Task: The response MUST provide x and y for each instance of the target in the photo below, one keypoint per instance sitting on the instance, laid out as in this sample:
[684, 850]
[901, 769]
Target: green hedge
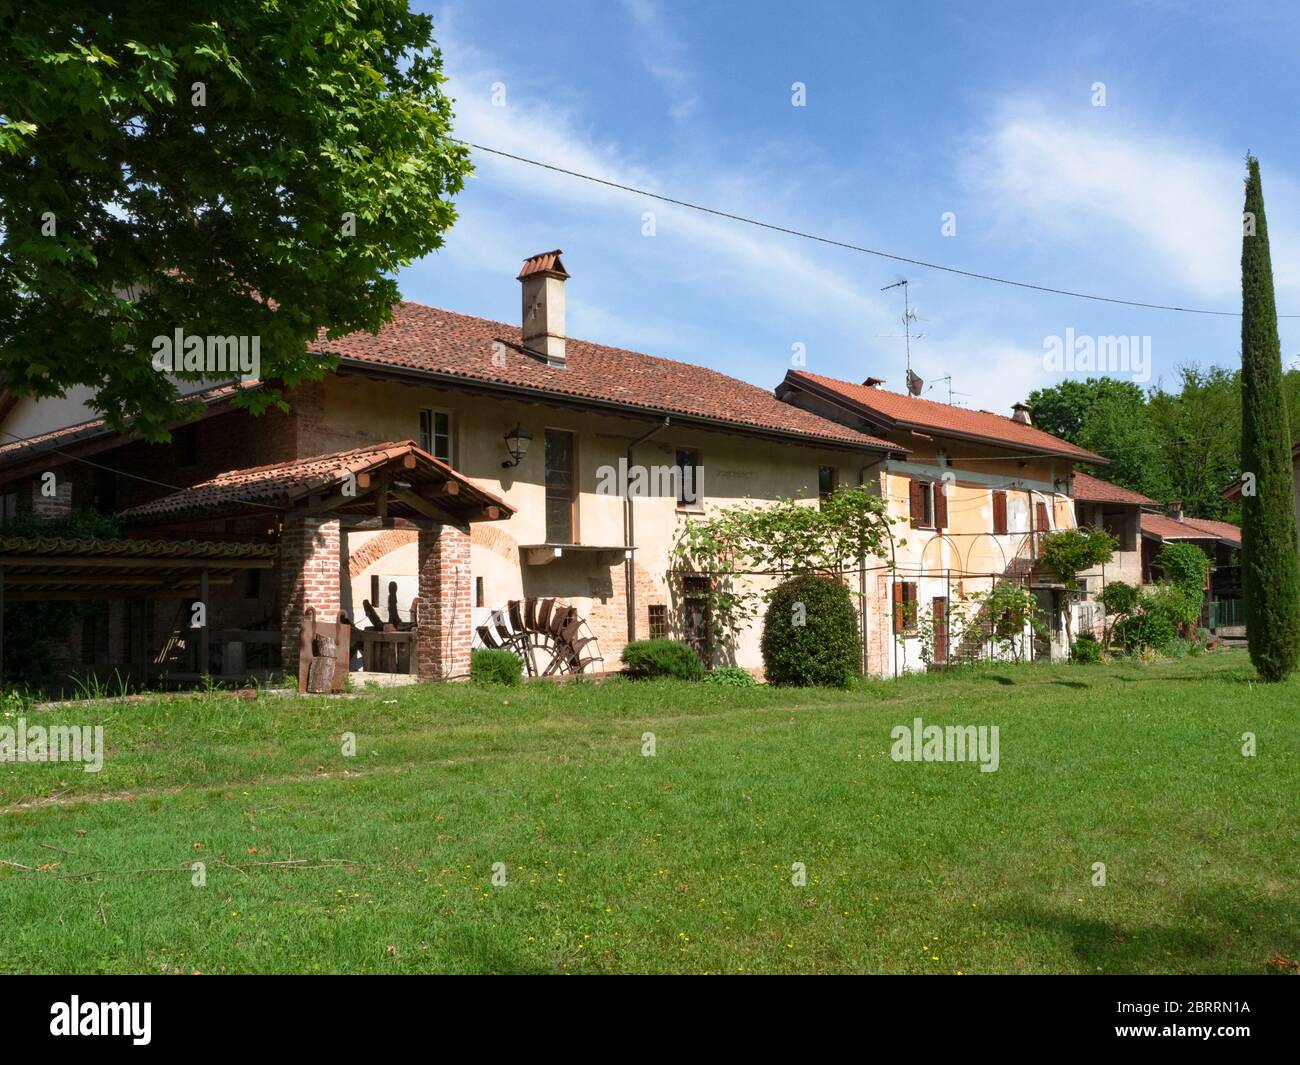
[662, 658]
[810, 634]
[487, 666]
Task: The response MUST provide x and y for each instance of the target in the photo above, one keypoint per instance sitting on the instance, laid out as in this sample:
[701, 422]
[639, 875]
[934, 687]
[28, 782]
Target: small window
[478, 591]
[658, 621]
[922, 504]
[905, 600]
[185, 442]
[690, 493]
[10, 506]
[827, 481]
[253, 584]
[999, 513]
[435, 434]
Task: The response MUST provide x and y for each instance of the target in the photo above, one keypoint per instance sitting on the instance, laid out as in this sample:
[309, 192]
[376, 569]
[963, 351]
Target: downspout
[629, 531]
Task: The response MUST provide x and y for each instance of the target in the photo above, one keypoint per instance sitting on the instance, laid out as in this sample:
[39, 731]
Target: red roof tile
[890, 409]
[1163, 527]
[283, 483]
[1094, 490]
[462, 348]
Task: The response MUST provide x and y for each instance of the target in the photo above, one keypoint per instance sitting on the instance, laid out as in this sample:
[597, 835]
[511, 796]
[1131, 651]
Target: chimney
[1175, 510]
[543, 278]
[1020, 413]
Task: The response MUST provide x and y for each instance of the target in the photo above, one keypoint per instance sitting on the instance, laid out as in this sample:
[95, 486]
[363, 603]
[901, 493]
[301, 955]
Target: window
[559, 487]
[690, 493]
[10, 506]
[658, 621]
[827, 481]
[929, 506]
[905, 607]
[185, 442]
[1000, 513]
[478, 591]
[253, 584]
[435, 434]
[695, 615]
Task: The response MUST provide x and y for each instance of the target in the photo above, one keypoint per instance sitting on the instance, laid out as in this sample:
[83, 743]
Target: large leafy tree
[1199, 430]
[1065, 409]
[240, 168]
[1270, 566]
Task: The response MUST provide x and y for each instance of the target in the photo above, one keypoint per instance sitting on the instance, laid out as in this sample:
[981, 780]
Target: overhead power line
[848, 246]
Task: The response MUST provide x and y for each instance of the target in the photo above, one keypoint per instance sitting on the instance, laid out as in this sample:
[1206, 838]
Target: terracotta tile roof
[1233, 491]
[129, 549]
[281, 484]
[460, 348]
[890, 409]
[19, 450]
[1094, 490]
[548, 262]
[1163, 527]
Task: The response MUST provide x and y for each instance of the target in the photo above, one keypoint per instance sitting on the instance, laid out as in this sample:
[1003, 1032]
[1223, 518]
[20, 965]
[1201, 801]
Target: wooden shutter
[940, 504]
[1040, 511]
[898, 606]
[917, 505]
[1000, 512]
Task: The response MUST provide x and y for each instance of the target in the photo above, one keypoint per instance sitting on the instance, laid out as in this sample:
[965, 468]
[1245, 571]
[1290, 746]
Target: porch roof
[43, 568]
[391, 479]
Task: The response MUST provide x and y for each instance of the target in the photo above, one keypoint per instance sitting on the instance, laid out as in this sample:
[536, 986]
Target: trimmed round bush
[810, 634]
[1086, 649]
[731, 677]
[494, 666]
[646, 659]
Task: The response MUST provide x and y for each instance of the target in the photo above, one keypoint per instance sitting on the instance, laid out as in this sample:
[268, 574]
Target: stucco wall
[349, 412]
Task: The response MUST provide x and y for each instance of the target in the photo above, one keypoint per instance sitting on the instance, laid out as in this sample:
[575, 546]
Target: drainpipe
[629, 531]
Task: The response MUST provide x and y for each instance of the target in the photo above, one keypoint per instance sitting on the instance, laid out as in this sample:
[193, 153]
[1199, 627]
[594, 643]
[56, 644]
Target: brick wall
[309, 577]
[446, 588]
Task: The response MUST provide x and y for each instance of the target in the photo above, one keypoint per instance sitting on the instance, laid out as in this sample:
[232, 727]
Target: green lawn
[679, 862]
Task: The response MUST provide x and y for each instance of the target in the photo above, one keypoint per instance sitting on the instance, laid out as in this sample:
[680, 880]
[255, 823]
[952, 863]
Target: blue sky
[912, 110]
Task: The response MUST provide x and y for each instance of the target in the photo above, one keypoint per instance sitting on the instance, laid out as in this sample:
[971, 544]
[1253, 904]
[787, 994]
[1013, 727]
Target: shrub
[1147, 633]
[662, 658]
[810, 634]
[732, 677]
[494, 666]
[1086, 649]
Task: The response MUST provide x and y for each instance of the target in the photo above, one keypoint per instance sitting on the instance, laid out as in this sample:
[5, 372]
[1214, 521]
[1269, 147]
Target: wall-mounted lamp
[517, 441]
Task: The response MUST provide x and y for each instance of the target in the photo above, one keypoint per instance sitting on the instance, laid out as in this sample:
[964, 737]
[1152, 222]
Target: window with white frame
[435, 434]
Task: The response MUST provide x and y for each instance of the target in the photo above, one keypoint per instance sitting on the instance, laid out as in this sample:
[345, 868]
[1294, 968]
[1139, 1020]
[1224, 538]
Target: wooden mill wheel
[549, 637]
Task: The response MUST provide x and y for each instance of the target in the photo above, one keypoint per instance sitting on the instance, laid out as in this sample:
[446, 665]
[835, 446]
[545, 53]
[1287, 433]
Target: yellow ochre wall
[346, 412]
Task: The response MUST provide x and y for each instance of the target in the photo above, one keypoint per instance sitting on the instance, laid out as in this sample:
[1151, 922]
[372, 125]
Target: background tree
[245, 167]
[1270, 566]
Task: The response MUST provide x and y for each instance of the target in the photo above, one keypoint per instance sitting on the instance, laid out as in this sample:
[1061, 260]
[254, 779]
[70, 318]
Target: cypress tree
[1270, 565]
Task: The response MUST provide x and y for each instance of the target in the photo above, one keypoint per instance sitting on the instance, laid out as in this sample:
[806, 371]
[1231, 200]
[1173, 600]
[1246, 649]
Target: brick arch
[377, 547]
[495, 540]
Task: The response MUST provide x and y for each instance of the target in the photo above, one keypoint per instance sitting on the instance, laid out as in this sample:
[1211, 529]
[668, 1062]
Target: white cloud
[1137, 205]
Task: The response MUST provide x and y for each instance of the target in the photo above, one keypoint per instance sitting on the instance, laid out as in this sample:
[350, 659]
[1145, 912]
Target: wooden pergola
[40, 569]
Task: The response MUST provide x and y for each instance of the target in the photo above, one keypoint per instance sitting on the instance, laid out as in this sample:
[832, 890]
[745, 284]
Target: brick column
[309, 576]
[446, 629]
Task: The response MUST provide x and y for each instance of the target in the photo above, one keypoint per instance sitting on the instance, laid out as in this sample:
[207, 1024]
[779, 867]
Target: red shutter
[941, 504]
[1040, 510]
[1000, 512]
[898, 606]
[917, 504]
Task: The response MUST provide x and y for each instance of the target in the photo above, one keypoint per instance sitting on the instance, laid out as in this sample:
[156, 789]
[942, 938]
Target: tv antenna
[951, 393]
[914, 382]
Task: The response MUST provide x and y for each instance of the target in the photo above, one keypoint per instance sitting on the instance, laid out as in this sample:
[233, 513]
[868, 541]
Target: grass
[615, 861]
